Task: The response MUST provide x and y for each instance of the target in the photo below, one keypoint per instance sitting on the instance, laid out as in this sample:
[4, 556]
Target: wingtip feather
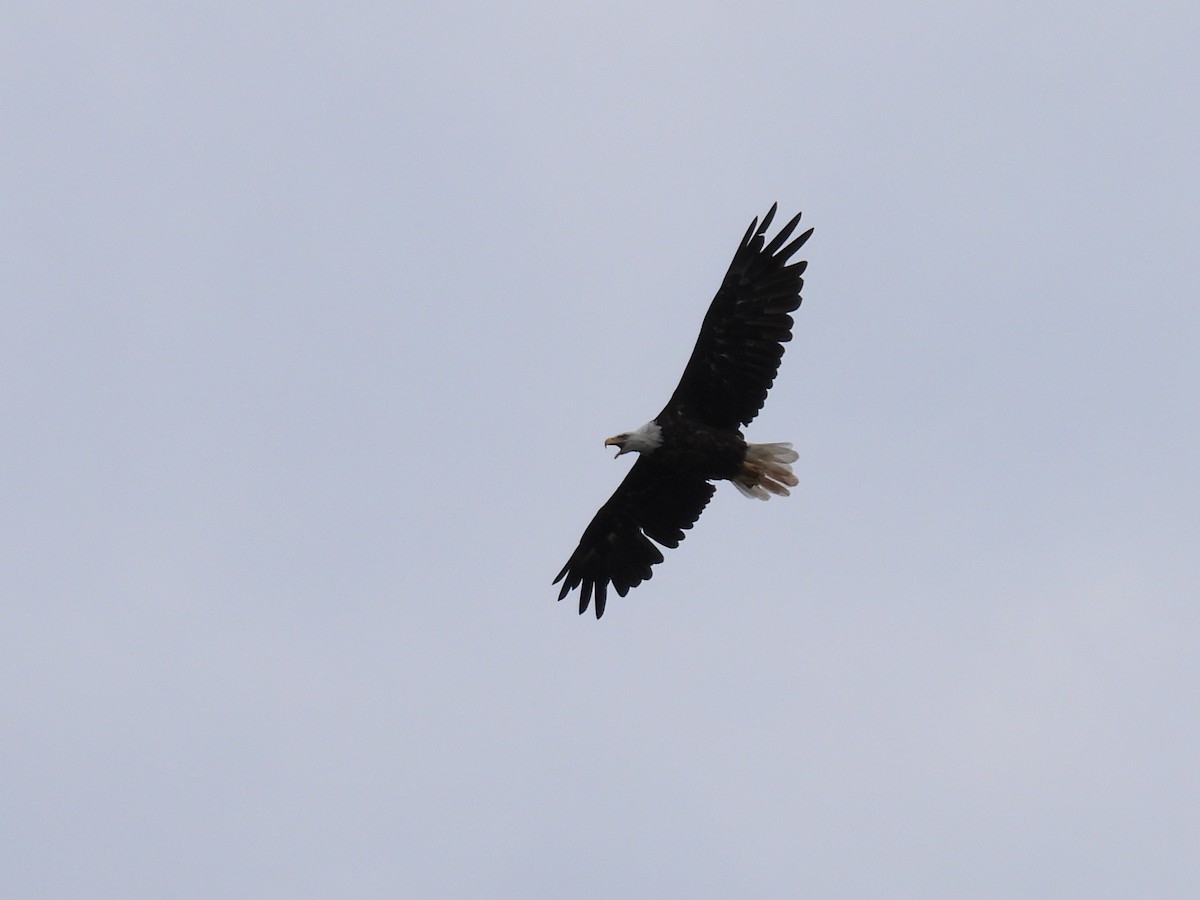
[768, 218]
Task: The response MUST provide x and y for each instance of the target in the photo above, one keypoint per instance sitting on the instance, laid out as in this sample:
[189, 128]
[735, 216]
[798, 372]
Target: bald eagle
[697, 437]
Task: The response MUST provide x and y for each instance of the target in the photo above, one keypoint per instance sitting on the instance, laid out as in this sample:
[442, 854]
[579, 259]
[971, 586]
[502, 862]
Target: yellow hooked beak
[615, 442]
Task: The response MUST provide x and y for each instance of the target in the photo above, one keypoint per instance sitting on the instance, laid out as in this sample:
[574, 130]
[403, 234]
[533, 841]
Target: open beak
[615, 442]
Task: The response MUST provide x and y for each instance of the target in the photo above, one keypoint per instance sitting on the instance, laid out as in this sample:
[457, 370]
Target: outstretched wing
[737, 354]
[654, 501]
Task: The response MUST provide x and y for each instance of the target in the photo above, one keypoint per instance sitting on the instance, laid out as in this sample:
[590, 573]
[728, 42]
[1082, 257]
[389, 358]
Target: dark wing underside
[737, 354]
[653, 501]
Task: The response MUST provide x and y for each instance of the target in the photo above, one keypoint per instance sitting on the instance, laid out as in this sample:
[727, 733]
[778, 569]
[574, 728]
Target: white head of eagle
[641, 440]
[697, 438]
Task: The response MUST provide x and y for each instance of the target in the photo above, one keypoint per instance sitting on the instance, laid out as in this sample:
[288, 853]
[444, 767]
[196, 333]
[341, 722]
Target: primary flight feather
[697, 437]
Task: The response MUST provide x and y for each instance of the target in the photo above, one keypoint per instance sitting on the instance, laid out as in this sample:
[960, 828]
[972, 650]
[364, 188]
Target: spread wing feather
[653, 502]
[737, 354]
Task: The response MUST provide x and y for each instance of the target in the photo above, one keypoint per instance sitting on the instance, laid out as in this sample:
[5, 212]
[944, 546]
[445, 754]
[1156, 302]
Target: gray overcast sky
[316, 316]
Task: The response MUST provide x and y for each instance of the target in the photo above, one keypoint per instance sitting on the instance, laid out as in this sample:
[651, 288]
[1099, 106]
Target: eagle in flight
[697, 438]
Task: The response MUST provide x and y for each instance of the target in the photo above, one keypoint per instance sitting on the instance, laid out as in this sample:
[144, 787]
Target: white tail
[767, 470]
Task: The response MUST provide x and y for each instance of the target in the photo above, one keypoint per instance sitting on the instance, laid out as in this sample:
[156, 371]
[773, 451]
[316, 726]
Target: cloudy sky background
[316, 316]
